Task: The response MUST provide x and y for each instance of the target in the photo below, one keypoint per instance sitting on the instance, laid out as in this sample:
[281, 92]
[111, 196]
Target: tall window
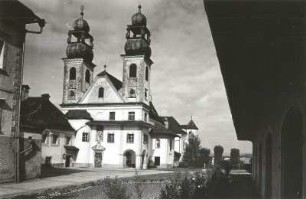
[85, 137]
[146, 117]
[72, 73]
[157, 143]
[87, 76]
[145, 139]
[68, 140]
[171, 144]
[130, 138]
[131, 115]
[112, 115]
[2, 51]
[110, 138]
[146, 94]
[133, 70]
[147, 73]
[101, 92]
[54, 139]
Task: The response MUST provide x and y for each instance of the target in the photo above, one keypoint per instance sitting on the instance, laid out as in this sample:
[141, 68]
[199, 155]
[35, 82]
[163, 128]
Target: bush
[115, 189]
[191, 186]
[183, 165]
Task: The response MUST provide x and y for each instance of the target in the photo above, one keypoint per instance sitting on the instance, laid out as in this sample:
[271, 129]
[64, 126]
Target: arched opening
[72, 74]
[101, 92]
[147, 74]
[129, 159]
[133, 70]
[87, 76]
[268, 168]
[292, 155]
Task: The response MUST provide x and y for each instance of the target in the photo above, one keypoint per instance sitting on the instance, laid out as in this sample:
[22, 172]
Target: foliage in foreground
[191, 187]
[115, 189]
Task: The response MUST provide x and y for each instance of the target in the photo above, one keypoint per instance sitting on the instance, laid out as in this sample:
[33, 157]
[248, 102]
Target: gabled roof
[116, 82]
[153, 114]
[173, 124]
[38, 113]
[190, 125]
[158, 130]
[78, 114]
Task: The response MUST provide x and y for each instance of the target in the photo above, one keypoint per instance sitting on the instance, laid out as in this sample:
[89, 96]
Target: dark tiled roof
[116, 82]
[38, 113]
[190, 125]
[14, 10]
[78, 114]
[173, 125]
[159, 130]
[154, 115]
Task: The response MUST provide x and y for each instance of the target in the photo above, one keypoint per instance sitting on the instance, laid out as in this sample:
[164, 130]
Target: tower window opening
[87, 76]
[147, 74]
[133, 70]
[101, 92]
[72, 74]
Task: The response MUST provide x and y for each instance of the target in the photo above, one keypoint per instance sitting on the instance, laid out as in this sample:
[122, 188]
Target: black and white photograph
[152, 99]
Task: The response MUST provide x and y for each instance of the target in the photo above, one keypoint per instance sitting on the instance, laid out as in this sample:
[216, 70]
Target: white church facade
[115, 121]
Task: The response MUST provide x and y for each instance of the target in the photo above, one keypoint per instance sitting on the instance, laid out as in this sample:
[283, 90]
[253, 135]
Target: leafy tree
[194, 155]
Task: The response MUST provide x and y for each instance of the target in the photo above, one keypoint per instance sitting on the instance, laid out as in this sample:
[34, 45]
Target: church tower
[136, 61]
[78, 66]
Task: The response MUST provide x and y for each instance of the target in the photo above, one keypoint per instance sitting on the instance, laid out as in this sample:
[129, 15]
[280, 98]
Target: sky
[185, 78]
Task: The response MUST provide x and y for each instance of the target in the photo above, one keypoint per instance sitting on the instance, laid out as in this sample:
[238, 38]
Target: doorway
[292, 155]
[67, 161]
[130, 159]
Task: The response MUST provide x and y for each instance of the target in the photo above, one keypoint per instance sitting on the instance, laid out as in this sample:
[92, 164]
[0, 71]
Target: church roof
[190, 125]
[38, 113]
[154, 115]
[78, 114]
[173, 124]
[116, 82]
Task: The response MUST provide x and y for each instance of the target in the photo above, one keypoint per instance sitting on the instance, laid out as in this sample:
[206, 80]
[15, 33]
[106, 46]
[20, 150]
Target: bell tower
[78, 66]
[136, 61]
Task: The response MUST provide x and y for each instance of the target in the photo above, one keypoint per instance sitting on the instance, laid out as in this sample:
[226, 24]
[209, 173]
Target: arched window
[87, 76]
[147, 73]
[133, 70]
[101, 92]
[72, 74]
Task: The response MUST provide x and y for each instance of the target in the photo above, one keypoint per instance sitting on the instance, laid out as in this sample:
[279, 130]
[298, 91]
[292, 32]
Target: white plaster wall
[56, 151]
[166, 155]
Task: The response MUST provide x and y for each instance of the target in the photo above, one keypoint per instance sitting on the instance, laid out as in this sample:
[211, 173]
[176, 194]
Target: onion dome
[139, 19]
[79, 50]
[137, 47]
[138, 36]
[81, 25]
[83, 46]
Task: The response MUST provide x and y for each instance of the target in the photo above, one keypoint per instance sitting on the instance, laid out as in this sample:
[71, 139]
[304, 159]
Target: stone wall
[7, 159]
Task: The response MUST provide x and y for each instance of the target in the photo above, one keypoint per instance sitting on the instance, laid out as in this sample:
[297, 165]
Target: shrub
[138, 185]
[115, 189]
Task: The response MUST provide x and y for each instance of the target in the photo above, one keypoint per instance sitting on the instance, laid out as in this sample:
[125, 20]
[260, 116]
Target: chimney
[25, 92]
[45, 96]
[166, 122]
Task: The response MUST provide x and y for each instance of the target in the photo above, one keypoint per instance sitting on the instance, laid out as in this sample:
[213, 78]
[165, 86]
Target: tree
[194, 155]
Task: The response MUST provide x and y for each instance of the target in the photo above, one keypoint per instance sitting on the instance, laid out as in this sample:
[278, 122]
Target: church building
[115, 121]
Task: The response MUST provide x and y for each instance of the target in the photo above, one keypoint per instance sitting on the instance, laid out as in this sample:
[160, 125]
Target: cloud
[186, 78]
